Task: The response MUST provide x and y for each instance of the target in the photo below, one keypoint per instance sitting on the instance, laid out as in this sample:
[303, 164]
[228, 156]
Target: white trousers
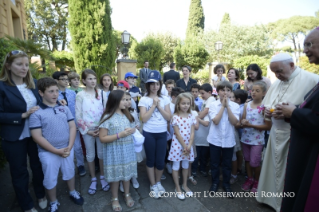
[176, 165]
[90, 147]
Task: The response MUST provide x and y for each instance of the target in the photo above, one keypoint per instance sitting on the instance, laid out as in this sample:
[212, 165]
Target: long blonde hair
[5, 74]
[179, 99]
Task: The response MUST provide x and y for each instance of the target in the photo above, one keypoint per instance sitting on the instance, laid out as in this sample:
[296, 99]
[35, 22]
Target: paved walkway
[143, 202]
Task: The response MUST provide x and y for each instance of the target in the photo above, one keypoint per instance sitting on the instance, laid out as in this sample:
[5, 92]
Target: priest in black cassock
[302, 174]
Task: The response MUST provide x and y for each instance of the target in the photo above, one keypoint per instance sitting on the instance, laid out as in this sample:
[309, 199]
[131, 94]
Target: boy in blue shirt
[53, 129]
[69, 96]
[195, 92]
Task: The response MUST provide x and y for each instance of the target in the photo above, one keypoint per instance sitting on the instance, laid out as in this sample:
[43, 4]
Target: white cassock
[273, 169]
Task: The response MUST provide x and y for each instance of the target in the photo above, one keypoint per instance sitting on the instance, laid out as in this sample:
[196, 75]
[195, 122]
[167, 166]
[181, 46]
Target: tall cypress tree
[93, 42]
[226, 19]
[196, 18]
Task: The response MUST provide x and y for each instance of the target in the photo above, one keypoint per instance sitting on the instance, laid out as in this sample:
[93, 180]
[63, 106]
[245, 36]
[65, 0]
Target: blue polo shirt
[70, 96]
[54, 123]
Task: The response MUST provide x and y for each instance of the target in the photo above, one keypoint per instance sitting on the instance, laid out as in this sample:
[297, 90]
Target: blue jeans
[226, 153]
[202, 157]
[155, 149]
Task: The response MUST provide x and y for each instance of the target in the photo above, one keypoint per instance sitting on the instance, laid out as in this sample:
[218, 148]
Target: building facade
[13, 19]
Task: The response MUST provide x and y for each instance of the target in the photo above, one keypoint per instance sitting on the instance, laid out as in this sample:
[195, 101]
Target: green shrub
[201, 76]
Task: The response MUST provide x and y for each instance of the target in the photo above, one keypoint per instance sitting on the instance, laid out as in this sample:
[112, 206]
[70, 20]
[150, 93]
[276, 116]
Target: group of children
[196, 129]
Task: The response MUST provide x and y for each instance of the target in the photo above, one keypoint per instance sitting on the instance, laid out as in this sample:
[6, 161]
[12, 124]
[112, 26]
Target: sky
[141, 17]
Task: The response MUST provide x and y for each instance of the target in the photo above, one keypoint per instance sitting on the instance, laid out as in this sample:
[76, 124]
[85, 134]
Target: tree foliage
[149, 49]
[63, 59]
[169, 43]
[93, 41]
[238, 41]
[243, 62]
[304, 64]
[293, 30]
[196, 18]
[47, 22]
[226, 19]
[192, 53]
[6, 47]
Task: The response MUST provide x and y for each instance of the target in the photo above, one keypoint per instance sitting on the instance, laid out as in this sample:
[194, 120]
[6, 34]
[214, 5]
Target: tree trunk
[295, 47]
[43, 65]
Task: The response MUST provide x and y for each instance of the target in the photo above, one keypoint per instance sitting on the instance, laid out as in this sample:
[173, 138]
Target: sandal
[130, 202]
[105, 185]
[191, 178]
[92, 188]
[116, 207]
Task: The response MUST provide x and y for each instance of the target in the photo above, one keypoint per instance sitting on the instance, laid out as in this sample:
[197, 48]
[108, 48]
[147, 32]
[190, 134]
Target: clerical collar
[294, 74]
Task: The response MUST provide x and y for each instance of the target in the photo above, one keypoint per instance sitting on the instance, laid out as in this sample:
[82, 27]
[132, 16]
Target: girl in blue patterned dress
[252, 138]
[116, 129]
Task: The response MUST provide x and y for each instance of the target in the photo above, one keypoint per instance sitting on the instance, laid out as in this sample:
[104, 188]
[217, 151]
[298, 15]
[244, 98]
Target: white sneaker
[161, 189]
[169, 168]
[121, 187]
[135, 182]
[154, 192]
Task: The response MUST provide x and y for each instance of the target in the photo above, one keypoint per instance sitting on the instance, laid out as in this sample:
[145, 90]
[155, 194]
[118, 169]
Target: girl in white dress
[181, 148]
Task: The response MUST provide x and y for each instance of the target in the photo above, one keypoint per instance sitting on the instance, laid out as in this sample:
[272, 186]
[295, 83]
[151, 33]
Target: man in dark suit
[171, 74]
[143, 76]
[302, 174]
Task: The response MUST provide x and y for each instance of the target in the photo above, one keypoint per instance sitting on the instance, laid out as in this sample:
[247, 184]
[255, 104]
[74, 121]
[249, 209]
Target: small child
[253, 135]
[240, 98]
[116, 129]
[135, 91]
[174, 93]
[69, 96]
[124, 86]
[181, 150]
[224, 115]
[202, 146]
[219, 70]
[237, 148]
[195, 91]
[55, 152]
[74, 80]
[205, 91]
[170, 84]
[106, 84]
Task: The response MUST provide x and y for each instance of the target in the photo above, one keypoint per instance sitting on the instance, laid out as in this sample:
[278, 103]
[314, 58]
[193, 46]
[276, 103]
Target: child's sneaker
[248, 184]
[154, 192]
[204, 174]
[161, 189]
[81, 171]
[233, 180]
[255, 186]
[76, 198]
[53, 207]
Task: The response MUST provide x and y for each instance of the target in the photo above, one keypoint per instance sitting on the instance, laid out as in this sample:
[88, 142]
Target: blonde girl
[88, 112]
[181, 150]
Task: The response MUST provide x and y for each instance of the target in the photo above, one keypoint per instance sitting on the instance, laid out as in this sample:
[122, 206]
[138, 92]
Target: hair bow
[260, 108]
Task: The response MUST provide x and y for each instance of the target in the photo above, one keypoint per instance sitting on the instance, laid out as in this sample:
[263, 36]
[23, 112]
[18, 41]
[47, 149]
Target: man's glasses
[64, 79]
[307, 45]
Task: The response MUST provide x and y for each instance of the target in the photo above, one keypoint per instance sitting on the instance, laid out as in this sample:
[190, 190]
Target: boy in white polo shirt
[221, 138]
[53, 129]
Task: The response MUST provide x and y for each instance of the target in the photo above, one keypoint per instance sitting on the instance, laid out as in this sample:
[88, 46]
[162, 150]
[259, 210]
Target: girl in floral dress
[116, 129]
[181, 150]
[88, 112]
[252, 138]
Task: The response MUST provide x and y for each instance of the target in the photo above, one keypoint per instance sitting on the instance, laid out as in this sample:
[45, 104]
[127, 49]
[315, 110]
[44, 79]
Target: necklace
[283, 92]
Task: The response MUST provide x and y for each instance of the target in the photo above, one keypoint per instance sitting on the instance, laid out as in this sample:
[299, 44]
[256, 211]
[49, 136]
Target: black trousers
[16, 154]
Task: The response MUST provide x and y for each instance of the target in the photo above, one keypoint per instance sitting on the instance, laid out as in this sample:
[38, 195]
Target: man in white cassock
[292, 85]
